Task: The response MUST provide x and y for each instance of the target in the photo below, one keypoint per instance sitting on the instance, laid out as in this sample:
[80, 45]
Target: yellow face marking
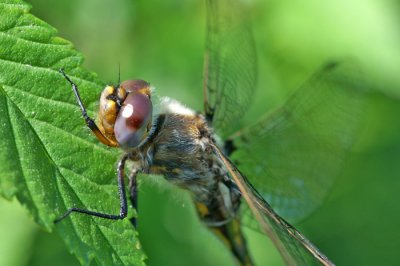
[110, 105]
[121, 94]
[108, 110]
[108, 90]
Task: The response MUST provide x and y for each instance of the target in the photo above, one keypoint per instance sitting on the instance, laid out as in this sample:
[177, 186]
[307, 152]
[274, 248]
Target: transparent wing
[294, 248]
[230, 66]
[294, 154]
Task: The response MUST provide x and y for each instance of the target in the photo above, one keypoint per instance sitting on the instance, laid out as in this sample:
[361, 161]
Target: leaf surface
[49, 160]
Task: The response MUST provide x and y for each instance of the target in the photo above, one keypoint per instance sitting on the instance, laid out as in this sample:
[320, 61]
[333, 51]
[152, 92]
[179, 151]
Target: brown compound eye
[132, 120]
[136, 85]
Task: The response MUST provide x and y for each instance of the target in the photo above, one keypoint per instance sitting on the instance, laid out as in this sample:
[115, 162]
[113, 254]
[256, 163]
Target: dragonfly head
[125, 112]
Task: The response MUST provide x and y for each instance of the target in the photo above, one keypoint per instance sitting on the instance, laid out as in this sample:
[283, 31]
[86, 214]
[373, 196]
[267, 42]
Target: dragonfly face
[287, 160]
[113, 129]
[125, 112]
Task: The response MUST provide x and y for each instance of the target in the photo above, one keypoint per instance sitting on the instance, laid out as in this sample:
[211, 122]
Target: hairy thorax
[181, 151]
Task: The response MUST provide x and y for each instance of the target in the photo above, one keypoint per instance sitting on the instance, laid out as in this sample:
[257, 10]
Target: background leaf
[47, 152]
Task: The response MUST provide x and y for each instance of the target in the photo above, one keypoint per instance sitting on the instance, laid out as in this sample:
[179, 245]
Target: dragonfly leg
[122, 198]
[89, 121]
[133, 195]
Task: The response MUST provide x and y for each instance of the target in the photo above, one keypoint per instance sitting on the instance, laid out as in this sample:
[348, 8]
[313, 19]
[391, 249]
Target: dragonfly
[279, 168]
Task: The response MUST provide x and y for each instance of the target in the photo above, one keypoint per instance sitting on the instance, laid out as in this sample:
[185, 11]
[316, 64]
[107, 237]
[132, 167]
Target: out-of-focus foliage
[163, 41]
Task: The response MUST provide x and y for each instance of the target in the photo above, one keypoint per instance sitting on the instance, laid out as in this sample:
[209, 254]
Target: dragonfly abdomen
[222, 218]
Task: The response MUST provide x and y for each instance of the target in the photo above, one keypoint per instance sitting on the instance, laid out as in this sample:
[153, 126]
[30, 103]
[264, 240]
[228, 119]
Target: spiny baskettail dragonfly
[281, 166]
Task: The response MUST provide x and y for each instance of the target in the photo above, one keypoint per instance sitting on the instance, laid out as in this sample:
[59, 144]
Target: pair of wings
[291, 156]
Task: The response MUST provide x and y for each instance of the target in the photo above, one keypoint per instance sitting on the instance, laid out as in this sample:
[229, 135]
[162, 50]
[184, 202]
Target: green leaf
[48, 158]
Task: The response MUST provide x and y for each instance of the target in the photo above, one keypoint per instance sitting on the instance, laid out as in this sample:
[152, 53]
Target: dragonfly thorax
[179, 147]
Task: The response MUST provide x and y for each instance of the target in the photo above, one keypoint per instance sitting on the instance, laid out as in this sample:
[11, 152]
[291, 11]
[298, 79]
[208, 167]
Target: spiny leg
[133, 194]
[89, 121]
[122, 198]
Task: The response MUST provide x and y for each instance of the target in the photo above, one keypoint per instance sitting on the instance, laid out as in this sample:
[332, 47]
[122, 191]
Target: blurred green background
[162, 41]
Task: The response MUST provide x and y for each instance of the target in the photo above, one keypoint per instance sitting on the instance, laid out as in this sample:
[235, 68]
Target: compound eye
[136, 85]
[131, 124]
